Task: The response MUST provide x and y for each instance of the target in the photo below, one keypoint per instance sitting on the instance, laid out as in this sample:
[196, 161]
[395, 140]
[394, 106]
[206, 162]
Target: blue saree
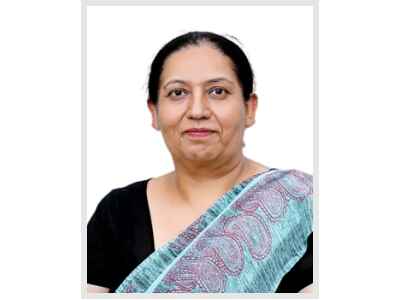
[244, 243]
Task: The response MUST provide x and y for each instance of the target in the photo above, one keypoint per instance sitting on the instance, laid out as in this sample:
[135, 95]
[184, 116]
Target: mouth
[199, 132]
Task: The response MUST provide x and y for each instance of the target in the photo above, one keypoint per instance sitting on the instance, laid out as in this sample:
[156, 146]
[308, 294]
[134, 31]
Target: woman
[220, 222]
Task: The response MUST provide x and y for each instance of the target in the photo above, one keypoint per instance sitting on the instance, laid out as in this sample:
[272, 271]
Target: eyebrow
[213, 80]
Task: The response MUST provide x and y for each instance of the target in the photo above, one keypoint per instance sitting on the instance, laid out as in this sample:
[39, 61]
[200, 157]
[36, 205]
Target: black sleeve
[301, 275]
[100, 254]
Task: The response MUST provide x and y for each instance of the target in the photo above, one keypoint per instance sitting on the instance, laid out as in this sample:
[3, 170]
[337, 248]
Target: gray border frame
[85, 4]
[199, 2]
[84, 293]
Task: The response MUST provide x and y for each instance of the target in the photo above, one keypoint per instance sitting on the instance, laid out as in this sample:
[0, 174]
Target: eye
[177, 93]
[218, 92]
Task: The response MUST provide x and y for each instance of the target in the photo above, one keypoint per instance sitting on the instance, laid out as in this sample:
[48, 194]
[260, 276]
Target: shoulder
[120, 212]
[301, 176]
[162, 179]
[294, 174]
[296, 182]
[301, 274]
[160, 184]
[288, 185]
[120, 200]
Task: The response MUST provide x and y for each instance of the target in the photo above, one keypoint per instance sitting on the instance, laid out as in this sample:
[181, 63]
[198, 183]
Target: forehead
[197, 64]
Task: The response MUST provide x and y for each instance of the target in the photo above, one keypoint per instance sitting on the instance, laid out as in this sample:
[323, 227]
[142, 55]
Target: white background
[40, 149]
[123, 147]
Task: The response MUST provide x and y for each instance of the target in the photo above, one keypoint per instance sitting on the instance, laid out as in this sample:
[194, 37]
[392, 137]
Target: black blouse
[120, 237]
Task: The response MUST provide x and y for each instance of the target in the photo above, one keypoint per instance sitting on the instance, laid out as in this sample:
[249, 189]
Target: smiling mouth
[199, 133]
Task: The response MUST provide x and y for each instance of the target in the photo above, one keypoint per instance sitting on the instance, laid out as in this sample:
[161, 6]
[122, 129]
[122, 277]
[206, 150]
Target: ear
[154, 115]
[251, 108]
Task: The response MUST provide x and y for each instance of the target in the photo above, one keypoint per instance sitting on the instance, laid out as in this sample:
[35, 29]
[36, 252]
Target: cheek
[232, 122]
[169, 119]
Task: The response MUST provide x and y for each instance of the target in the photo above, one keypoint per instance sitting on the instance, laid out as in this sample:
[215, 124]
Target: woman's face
[201, 111]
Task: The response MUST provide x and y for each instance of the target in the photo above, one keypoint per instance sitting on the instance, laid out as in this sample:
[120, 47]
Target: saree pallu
[244, 243]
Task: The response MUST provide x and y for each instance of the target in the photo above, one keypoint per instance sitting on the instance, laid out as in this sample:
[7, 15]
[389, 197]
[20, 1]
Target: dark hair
[240, 62]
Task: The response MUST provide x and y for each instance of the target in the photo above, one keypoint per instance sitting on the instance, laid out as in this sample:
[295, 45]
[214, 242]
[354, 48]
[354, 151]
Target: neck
[197, 185]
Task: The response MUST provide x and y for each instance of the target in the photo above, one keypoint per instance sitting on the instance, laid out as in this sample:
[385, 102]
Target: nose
[199, 107]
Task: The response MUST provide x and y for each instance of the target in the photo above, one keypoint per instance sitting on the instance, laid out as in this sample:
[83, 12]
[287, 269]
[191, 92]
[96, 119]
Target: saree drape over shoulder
[245, 242]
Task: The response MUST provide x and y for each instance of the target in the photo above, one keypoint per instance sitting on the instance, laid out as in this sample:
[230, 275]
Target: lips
[199, 132]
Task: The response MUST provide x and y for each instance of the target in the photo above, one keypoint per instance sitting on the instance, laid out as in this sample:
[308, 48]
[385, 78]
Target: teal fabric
[245, 242]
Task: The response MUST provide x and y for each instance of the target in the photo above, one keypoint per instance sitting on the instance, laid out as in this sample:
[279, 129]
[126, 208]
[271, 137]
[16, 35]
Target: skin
[208, 95]
[198, 89]
[194, 101]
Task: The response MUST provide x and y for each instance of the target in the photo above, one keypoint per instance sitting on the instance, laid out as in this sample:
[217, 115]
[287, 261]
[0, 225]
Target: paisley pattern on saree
[209, 254]
[219, 253]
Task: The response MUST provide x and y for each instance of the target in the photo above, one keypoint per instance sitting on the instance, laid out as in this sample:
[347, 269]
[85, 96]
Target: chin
[200, 156]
